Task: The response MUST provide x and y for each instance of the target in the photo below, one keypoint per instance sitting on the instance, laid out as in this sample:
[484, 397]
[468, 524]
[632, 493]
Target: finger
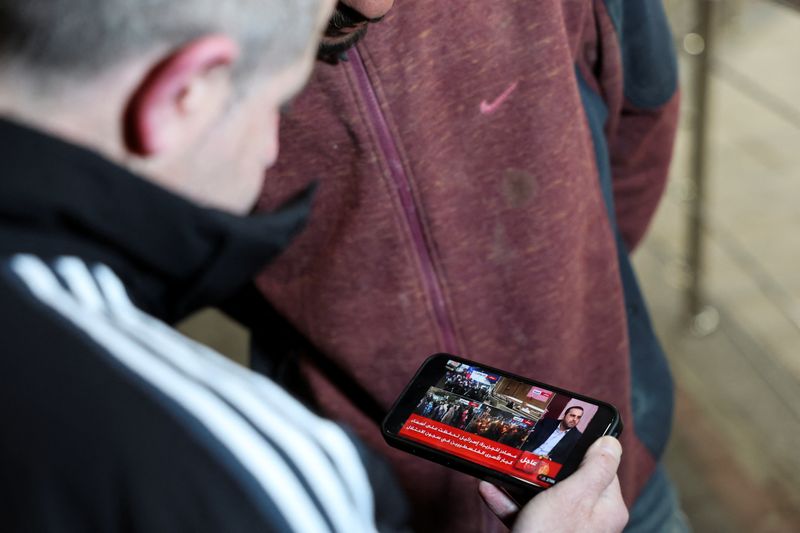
[599, 467]
[612, 507]
[498, 502]
[607, 443]
[613, 492]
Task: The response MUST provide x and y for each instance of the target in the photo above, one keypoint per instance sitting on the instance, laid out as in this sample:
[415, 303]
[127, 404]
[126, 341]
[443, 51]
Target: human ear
[179, 96]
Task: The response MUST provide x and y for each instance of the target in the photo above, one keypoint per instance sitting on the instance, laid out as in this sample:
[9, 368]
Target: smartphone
[520, 434]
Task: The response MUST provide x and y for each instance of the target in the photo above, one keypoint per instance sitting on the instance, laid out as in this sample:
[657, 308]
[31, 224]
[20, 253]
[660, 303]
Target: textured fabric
[175, 256]
[112, 420]
[657, 509]
[461, 209]
[651, 381]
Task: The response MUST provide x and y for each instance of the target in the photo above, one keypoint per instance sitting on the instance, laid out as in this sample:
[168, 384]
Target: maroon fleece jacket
[459, 210]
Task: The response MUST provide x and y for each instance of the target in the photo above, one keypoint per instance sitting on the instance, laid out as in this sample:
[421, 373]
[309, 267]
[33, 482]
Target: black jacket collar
[175, 257]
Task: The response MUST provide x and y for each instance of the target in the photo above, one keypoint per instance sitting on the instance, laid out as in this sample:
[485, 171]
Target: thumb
[599, 467]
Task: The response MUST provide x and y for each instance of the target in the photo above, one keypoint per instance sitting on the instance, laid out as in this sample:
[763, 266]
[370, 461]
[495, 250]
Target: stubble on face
[345, 28]
[570, 421]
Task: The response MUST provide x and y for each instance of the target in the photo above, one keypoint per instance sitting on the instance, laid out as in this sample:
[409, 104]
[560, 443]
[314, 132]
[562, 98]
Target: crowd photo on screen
[494, 407]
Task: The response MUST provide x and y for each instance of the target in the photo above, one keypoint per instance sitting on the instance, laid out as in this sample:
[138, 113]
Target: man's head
[572, 417]
[185, 92]
[348, 24]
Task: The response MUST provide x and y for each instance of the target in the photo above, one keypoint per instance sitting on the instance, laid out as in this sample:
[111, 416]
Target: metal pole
[695, 298]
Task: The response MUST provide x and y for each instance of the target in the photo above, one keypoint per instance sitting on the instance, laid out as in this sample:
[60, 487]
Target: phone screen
[510, 425]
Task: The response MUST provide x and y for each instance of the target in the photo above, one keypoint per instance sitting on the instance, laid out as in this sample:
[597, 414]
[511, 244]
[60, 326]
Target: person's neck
[79, 116]
[77, 132]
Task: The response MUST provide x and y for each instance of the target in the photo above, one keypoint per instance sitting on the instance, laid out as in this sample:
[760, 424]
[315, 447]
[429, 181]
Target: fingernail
[612, 446]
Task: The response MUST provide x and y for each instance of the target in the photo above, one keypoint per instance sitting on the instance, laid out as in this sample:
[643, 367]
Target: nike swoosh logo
[488, 108]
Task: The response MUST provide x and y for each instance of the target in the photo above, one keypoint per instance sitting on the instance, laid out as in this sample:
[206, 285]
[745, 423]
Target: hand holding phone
[589, 500]
[520, 434]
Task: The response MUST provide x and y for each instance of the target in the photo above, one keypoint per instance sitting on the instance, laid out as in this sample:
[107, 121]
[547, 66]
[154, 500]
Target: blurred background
[720, 267]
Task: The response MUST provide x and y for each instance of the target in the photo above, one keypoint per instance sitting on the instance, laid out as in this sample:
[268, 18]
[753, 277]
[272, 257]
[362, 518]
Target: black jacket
[110, 420]
[544, 428]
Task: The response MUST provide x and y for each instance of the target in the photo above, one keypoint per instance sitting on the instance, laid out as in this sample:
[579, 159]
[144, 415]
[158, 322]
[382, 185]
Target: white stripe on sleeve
[233, 432]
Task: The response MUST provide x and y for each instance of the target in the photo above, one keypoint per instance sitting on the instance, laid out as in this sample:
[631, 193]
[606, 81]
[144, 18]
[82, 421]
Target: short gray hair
[71, 39]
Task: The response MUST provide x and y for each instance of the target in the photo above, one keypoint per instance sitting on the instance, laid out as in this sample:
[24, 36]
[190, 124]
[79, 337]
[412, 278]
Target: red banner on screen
[480, 450]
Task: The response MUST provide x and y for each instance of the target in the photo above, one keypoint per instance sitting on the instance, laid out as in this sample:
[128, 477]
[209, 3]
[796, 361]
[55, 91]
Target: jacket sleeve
[641, 148]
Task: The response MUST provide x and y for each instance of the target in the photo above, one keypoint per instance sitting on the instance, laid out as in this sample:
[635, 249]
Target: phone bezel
[606, 421]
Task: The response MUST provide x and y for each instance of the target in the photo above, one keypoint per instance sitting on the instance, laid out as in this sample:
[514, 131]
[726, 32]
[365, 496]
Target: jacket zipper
[401, 183]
